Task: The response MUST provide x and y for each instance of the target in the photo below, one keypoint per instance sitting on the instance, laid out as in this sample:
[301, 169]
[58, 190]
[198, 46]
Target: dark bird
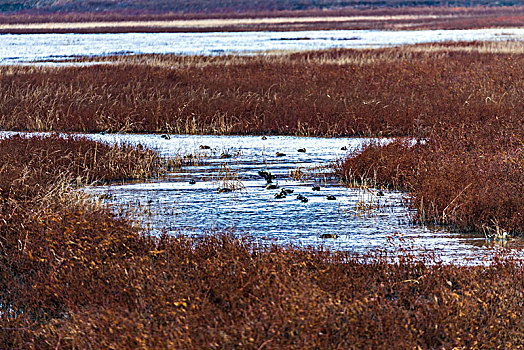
[165, 137]
[224, 190]
[204, 147]
[280, 154]
[302, 198]
[301, 150]
[331, 198]
[316, 188]
[287, 190]
[192, 182]
[344, 148]
[271, 187]
[264, 138]
[266, 175]
[280, 195]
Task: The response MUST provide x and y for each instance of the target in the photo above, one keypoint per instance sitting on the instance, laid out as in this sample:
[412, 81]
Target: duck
[316, 188]
[204, 147]
[224, 190]
[331, 198]
[280, 154]
[344, 148]
[301, 150]
[264, 138]
[302, 198]
[266, 175]
[329, 235]
[225, 155]
[192, 182]
[165, 137]
[271, 187]
[287, 190]
[280, 195]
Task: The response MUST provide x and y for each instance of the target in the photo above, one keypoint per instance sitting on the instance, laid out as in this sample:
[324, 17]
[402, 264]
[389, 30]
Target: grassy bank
[469, 177]
[388, 92]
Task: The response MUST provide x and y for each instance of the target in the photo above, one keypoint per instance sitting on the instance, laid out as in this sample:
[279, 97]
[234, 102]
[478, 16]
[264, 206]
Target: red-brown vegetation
[471, 176]
[72, 275]
[387, 18]
[388, 92]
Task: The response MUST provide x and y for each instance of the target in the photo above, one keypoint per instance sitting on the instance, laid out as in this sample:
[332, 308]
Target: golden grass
[210, 23]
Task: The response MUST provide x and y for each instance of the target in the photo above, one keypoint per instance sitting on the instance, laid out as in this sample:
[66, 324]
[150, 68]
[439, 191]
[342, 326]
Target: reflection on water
[20, 48]
[363, 220]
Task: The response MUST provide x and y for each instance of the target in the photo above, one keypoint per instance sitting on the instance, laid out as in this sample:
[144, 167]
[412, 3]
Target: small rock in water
[316, 188]
[301, 150]
[166, 137]
[102, 133]
[380, 193]
[271, 187]
[192, 182]
[331, 198]
[329, 235]
[344, 148]
[204, 147]
[280, 154]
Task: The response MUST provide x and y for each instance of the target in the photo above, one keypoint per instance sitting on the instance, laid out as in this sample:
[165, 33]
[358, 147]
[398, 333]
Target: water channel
[363, 219]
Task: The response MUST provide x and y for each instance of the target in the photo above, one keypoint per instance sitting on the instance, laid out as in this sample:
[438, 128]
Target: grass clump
[470, 177]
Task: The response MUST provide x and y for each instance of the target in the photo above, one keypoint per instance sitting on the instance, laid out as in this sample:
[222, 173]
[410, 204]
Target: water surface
[20, 48]
[362, 219]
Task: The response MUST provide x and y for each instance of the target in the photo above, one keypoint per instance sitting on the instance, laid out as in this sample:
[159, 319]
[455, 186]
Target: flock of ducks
[270, 185]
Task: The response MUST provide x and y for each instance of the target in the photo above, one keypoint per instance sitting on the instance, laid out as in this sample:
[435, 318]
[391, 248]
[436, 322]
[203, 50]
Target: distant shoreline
[349, 19]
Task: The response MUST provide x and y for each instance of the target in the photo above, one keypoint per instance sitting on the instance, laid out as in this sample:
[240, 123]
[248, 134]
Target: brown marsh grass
[471, 177]
[384, 92]
[74, 275]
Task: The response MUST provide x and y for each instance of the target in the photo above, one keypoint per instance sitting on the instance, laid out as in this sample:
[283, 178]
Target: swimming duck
[301, 150]
[271, 187]
[192, 182]
[316, 188]
[280, 154]
[329, 235]
[344, 148]
[165, 137]
[331, 198]
[204, 147]
[302, 198]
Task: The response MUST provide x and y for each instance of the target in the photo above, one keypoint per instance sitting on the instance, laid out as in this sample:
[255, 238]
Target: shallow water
[20, 48]
[362, 219]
